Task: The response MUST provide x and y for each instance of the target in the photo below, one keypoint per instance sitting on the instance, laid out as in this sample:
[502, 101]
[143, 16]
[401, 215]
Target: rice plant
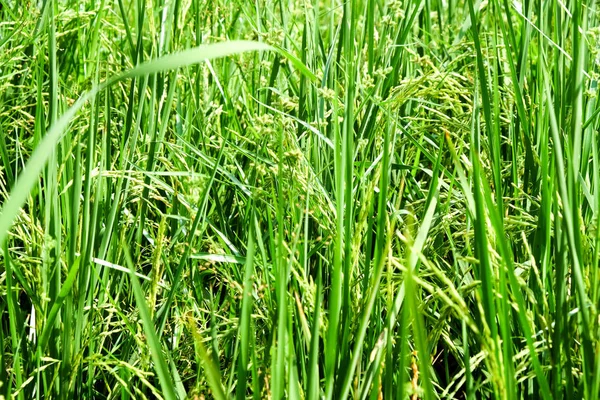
[315, 199]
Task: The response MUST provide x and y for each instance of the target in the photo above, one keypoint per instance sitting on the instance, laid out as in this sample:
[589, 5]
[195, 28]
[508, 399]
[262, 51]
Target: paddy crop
[311, 199]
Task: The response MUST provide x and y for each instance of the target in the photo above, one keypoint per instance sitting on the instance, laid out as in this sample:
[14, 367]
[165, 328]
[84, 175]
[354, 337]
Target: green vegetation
[305, 199]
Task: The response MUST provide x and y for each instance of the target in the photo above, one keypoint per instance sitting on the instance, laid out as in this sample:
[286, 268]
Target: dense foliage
[299, 199]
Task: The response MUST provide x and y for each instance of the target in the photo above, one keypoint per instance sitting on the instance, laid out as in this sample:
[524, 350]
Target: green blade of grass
[245, 319]
[36, 162]
[160, 365]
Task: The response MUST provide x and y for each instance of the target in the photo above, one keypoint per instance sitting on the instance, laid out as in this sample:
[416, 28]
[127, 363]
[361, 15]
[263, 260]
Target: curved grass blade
[38, 159]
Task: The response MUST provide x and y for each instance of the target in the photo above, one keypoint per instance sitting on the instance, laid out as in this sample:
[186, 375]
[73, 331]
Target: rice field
[302, 199]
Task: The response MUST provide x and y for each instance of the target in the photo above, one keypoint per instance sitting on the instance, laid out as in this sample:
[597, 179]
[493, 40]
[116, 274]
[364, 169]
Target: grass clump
[319, 199]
